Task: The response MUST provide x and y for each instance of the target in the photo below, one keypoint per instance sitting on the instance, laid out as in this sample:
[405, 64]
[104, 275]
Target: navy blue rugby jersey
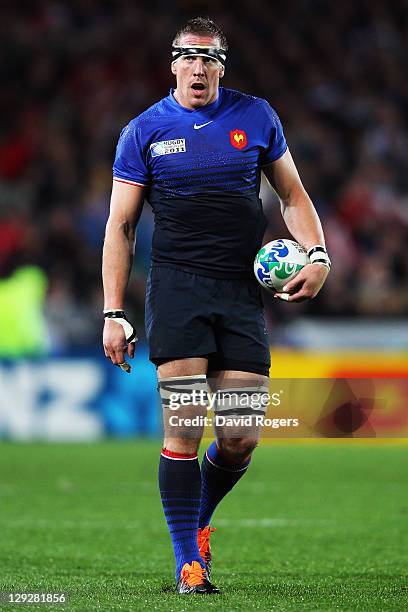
[202, 172]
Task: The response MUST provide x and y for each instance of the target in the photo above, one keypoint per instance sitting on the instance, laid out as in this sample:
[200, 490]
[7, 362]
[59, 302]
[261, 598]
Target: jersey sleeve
[129, 165]
[275, 139]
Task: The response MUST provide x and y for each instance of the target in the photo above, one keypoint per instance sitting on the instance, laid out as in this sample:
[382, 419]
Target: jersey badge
[165, 147]
[238, 139]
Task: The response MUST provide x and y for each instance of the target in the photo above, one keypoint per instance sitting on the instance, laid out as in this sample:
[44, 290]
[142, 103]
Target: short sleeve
[275, 138]
[129, 165]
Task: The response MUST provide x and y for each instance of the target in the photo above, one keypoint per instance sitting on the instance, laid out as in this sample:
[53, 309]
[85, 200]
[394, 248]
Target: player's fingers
[282, 296]
[294, 285]
[108, 349]
[300, 296]
[293, 288]
[109, 352]
[117, 356]
[131, 349]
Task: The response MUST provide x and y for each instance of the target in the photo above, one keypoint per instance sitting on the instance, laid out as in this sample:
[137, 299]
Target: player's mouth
[198, 88]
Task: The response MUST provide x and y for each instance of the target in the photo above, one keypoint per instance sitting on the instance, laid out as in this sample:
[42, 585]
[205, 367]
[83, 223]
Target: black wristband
[114, 314]
[317, 249]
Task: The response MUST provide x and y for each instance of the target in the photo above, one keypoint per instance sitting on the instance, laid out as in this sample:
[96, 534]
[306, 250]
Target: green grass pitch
[310, 527]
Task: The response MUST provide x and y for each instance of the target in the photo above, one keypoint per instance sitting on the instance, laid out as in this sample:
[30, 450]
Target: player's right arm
[125, 210]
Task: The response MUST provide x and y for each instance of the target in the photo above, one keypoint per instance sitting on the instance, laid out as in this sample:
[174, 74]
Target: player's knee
[238, 449]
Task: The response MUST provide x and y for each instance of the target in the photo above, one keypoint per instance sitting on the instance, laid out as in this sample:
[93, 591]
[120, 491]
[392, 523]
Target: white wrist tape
[318, 254]
[119, 317]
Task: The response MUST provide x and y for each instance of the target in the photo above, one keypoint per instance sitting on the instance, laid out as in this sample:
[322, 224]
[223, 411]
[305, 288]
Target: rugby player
[196, 156]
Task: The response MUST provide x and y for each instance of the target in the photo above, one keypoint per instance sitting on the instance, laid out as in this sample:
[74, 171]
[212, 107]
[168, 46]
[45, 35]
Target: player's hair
[202, 26]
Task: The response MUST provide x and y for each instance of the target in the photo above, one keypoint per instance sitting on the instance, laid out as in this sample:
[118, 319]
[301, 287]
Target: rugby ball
[278, 262]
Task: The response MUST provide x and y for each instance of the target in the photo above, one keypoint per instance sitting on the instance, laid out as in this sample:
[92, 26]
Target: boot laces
[204, 539]
[193, 574]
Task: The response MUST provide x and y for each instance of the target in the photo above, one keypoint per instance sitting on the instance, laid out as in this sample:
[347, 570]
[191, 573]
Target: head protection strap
[212, 52]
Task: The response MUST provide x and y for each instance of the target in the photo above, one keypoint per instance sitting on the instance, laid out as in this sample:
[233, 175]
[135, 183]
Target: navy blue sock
[180, 490]
[218, 476]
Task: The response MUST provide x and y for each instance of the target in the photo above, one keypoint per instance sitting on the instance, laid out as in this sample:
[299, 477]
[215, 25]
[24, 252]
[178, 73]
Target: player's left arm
[303, 223]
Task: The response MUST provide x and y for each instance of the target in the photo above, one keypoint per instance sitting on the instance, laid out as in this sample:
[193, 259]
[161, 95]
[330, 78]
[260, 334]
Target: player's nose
[198, 66]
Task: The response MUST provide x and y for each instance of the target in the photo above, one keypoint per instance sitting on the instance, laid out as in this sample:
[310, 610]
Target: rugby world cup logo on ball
[278, 262]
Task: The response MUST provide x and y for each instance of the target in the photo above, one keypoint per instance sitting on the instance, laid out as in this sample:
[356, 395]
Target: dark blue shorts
[189, 315]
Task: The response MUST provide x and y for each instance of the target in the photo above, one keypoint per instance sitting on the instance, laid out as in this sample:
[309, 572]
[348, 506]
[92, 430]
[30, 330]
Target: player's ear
[222, 71]
[173, 68]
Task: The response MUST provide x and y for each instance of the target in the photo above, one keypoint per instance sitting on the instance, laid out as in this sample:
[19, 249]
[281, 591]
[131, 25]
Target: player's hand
[114, 343]
[306, 285]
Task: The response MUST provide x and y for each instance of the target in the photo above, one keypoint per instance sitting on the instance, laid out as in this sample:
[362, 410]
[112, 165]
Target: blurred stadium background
[73, 75]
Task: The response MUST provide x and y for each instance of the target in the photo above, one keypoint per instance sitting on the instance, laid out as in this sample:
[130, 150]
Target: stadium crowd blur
[74, 73]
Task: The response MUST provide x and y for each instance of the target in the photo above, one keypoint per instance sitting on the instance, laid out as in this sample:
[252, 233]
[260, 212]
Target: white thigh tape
[179, 391]
[242, 401]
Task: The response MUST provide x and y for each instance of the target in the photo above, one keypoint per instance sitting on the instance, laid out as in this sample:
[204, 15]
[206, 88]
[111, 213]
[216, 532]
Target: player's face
[197, 77]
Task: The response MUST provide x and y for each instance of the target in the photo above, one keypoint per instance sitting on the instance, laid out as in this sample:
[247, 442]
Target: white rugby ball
[279, 261]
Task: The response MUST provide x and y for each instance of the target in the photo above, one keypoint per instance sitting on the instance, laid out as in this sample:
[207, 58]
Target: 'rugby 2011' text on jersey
[202, 172]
